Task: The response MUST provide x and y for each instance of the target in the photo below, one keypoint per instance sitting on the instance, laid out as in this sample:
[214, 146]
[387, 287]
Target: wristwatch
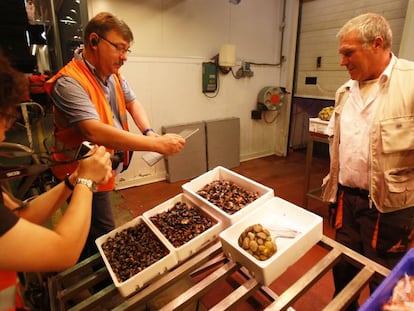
[87, 182]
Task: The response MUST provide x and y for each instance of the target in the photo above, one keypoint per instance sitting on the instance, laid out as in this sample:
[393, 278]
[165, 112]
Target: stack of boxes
[268, 210]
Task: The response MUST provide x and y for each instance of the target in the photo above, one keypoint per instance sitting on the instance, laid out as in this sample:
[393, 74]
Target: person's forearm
[74, 225]
[114, 138]
[139, 115]
[42, 207]
[33, 247]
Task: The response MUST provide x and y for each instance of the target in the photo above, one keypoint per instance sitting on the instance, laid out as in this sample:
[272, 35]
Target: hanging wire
[273, 119]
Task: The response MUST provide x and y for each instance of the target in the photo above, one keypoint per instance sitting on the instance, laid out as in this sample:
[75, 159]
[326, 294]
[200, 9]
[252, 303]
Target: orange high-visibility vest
[67, 138]
[9, 291]
[37, 83]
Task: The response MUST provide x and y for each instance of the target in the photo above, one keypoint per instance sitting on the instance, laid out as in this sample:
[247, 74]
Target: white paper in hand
[187, 133]
[152, 157]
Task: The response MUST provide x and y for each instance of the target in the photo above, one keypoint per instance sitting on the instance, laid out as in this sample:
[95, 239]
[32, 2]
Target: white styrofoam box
[142, 278]
[273, 214]
[187, 249]
[317, 125]
[221, 173]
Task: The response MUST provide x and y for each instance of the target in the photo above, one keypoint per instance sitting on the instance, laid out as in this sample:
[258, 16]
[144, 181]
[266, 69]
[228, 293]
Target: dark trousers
[381, 237]
[102, 222]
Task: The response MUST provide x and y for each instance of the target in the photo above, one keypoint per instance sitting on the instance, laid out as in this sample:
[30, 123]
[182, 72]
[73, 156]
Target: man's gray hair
[369, 26]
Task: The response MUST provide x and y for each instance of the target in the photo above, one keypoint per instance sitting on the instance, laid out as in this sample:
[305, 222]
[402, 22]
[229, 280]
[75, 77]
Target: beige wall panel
[320, 21]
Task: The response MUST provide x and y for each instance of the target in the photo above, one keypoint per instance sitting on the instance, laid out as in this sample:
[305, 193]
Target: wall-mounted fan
[270, 98]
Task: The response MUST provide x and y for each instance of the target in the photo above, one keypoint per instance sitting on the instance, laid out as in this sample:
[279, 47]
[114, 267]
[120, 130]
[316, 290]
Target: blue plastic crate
[384, 291]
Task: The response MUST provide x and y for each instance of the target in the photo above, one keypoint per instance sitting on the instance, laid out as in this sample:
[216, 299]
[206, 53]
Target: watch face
[87, 182]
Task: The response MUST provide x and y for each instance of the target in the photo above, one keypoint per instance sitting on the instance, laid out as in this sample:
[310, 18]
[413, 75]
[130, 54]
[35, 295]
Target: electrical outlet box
[311, 80]
[210, 76]
[246, 66]
[256, 115]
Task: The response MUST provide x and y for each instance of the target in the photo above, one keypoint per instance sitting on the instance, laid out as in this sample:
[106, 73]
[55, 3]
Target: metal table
[70, 284]
[313, 137]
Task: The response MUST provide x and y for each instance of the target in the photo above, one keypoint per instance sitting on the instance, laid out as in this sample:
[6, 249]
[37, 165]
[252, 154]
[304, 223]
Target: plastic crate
[384, 291]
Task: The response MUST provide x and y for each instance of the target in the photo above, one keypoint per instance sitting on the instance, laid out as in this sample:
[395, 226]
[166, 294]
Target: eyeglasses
[118, 47]
[10, 119]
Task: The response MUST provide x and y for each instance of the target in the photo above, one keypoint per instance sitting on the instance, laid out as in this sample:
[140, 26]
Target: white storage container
[317, 125]
[187, 249]
[142, 278]
[275, 214]
[221, 173]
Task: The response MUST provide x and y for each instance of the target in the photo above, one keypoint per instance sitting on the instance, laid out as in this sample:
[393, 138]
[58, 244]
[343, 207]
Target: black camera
[83, 149]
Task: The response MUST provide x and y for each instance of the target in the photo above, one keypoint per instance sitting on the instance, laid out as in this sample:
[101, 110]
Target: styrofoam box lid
[142, 278]
[221, 173]
[186, 250]
[318, 120]
[273, 214]
[384, 291]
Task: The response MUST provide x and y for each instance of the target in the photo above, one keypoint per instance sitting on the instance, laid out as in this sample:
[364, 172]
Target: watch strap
[68, 183]
[146, 131]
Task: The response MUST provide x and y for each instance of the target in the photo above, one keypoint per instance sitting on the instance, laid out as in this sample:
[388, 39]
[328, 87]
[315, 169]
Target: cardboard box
[273, 215]
[221, 173]
[317, 125]
[187, 249]
[384, 291]
[142, 278]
